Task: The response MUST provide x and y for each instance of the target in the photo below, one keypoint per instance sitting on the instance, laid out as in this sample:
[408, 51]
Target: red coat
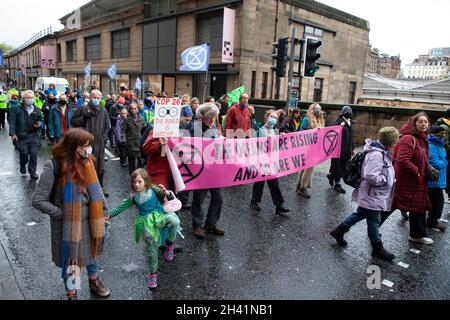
[238, 118]
[411, 190]
[157, 167]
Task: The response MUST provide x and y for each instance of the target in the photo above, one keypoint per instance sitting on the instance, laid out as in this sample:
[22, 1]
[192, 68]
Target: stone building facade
[150, 36]
[383, 64]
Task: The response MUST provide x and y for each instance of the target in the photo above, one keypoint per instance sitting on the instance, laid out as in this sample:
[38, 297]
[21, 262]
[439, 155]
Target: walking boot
[338, 188]
[98, 288]
[338, 234]
[380, 252]
[281, 210]
[304, 193]
[255, 205]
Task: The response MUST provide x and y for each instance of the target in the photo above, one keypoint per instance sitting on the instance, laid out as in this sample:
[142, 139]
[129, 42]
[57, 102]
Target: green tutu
[152, 223]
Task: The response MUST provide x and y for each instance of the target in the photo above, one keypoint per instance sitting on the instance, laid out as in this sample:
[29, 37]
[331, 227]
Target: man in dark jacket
[26, 119]
[95, 119]
[131, 135]
[49, 103]
[347, 148]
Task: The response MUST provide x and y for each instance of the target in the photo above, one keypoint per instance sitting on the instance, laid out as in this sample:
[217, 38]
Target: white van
[61, 84]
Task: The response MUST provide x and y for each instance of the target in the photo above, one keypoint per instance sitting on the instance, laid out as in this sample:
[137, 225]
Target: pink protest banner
[217, 163]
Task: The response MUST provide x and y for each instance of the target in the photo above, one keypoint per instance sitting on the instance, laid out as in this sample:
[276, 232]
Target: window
[314, 33]
[252, 92]
[161, 7]
[121, 44]
[210, 29]
[93, 48]
[318, 88]
[71, 51]
[265, 77]
[352, 92]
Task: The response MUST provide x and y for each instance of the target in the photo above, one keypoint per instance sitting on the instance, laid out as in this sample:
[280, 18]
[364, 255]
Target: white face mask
[88, 153]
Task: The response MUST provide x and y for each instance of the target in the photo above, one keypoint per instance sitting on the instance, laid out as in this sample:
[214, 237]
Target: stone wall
[367, 119]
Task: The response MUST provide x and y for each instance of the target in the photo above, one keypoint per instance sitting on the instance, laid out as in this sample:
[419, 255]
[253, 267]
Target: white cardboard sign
[167, 117]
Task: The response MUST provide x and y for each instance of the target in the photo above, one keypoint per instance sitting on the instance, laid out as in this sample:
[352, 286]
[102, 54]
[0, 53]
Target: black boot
[338, 234]
[330, 179]
[338, 188]
[281, 210]
[255, 206]
[380, 252]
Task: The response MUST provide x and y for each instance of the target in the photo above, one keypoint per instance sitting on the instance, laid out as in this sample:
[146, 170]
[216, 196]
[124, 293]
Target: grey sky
[408, 27]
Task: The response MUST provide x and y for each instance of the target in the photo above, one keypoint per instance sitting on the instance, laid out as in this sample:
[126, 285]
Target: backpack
[353, 169]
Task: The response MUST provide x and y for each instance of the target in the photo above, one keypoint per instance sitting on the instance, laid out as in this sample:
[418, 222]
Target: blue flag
[1, 57]
[138, 84]
[112, 71]
[195, 58]
[87, 70]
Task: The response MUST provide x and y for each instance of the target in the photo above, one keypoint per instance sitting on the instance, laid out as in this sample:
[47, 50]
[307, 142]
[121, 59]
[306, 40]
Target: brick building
[146, 38]
[383, 64]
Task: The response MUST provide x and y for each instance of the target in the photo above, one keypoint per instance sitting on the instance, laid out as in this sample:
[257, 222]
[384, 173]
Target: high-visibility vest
[38, 103]
[2, 101]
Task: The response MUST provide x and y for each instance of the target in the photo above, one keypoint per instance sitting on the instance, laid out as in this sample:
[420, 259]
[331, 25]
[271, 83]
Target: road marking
[31, 223]
[5, 174]
[404, 265]
[109, 154]
[414, 251]
[444, 220]
[387, 283]
[115, 159]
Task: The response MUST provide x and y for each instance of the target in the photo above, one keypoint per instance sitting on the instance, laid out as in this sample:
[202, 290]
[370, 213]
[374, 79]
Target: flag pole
[204, 89]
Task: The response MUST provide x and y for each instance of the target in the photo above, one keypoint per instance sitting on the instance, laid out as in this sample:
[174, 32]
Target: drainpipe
[274, 40]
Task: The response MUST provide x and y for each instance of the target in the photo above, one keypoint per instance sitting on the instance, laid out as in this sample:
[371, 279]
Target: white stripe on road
[387, 283]
[5, 174]
[109, 154]
[404, 265]
[414, 251]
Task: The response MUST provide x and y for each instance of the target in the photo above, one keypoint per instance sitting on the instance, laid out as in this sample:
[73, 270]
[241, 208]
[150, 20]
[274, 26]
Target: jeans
[214, 210]
[373, 218]
[134, 157]
[275, 192]
[437, 205]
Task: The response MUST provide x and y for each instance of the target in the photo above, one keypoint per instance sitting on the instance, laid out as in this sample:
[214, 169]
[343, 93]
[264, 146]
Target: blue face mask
[95, 102]
[272, 121]
[30, 102]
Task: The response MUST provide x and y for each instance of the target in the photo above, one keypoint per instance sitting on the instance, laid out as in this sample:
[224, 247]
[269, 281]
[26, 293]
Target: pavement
[261, 256]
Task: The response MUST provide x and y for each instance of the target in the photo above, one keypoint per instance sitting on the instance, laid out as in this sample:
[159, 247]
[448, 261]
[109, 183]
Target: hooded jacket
[411, 191]
[376, 191]
[438, 160]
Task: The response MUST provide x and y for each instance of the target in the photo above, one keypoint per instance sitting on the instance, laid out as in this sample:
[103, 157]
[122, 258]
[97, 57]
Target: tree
[6, 48]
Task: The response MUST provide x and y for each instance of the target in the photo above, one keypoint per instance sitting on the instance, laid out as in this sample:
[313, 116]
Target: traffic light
[310, 56]
[280, 56]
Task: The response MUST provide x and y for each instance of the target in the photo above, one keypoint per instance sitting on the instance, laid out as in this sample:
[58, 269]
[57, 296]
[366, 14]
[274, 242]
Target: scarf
[72, 236]
[64, 120]
[296, 123]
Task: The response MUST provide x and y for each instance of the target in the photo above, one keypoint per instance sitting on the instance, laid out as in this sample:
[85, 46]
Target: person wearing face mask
[95, 119]
[59, 120]
[268, 130]
[25, 122]
[70, 193]
[347, 149]
[438, 159]
[72, 100]
[314, 119]
[131, 135]
[49, 103]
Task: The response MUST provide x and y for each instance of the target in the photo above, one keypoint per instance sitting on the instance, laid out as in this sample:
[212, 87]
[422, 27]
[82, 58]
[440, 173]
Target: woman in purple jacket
[375, 193]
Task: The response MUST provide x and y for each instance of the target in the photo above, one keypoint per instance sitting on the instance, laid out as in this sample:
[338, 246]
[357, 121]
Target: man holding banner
[204, 126]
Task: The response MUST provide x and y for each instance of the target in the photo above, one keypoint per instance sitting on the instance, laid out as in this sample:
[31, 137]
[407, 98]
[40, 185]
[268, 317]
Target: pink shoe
[153, 283]
[169, 253]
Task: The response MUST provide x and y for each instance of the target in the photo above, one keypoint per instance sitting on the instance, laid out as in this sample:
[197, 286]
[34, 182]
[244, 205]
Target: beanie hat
[436, 129]
[388, 136]
[186, 111]
[346, 109]
[121, 100]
